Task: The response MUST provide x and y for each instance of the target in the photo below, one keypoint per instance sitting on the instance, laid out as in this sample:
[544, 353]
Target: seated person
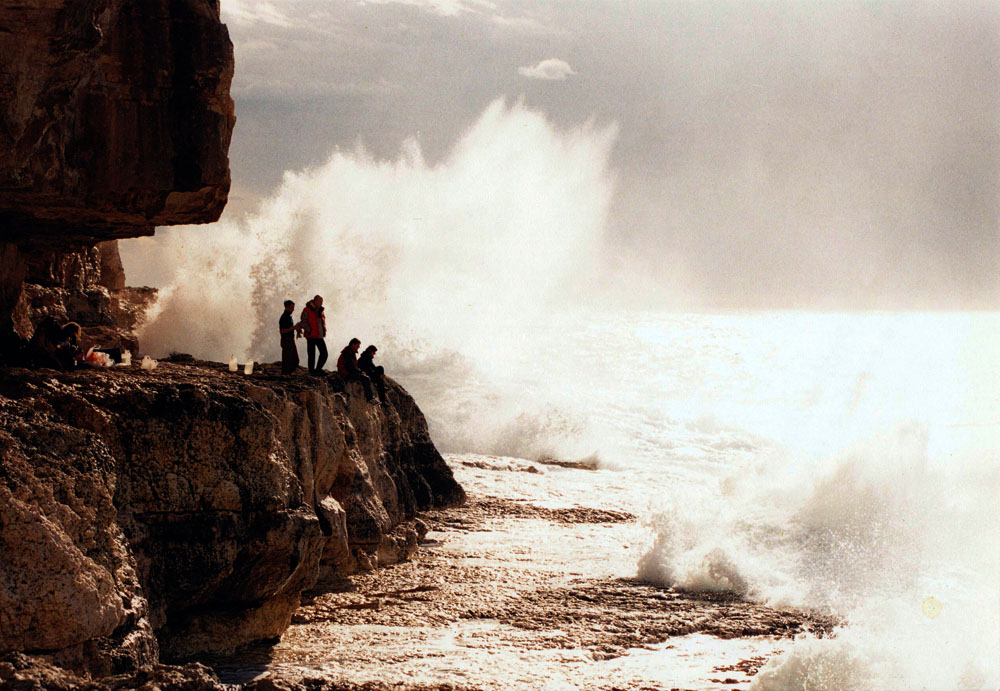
[375, 372]
[68, 350]
[347, 367]
[54, 346]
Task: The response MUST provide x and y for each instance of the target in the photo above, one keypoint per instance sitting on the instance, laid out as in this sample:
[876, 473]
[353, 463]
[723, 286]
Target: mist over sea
[848, 462]
[839, 462]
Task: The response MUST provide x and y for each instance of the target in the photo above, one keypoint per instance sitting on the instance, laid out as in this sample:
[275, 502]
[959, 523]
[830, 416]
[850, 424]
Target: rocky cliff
[86, 286]
[185, 509]
[115, 118]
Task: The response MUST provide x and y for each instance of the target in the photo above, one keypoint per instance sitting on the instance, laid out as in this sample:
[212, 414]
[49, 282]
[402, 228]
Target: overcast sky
[768, 155]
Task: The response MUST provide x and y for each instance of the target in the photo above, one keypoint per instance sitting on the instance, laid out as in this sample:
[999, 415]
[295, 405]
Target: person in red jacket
[314, 322]
[347, 367]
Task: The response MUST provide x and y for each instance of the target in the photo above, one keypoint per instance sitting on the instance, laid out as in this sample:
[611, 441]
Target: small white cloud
[553, 69]
[248, 12]
[526, 25]
[443, 8]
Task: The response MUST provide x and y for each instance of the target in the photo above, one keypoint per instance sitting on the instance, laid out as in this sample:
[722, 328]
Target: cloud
[444, 8]
[248, 12]
[551, 69]
[529, 25]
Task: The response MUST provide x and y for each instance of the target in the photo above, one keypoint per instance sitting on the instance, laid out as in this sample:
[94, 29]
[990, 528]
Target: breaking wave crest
[895, 547]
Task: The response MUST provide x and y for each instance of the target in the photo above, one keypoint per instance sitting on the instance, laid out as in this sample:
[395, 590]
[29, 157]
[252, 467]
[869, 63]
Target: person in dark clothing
[44, 344]
[54, 346]
[347, 367]
[69, 345]
[314, 324]
[376, 373]
[288, 330]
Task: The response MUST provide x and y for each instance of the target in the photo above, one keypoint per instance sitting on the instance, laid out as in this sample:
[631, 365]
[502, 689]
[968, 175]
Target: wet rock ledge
[158, 515]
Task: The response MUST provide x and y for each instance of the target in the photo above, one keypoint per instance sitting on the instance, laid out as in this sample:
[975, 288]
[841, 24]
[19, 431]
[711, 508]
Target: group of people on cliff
[312, 326]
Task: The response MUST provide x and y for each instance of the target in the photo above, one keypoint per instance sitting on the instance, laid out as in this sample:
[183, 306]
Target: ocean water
[846, 463]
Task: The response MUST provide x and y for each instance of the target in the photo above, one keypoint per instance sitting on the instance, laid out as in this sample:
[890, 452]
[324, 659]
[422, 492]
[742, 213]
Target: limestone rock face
[86, 286]
[186, 508]
[115, 117]
[67, 579]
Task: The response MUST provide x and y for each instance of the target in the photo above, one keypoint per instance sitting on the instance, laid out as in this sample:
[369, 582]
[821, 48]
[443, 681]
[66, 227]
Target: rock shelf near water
[166, 513]
[506, 593]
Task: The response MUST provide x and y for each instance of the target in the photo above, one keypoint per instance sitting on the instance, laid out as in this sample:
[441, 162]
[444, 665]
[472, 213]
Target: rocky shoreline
[490, 584]
[494, 600]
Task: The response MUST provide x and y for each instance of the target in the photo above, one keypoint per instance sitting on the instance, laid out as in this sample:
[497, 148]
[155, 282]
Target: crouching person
[54, 346]
[376, 373]
[347, 367]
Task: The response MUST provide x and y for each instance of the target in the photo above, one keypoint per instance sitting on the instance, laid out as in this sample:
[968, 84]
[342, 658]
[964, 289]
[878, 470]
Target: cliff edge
[185, 509]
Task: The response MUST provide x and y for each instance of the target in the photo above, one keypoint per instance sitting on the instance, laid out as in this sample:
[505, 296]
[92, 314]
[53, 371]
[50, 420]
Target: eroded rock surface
[85, 286]
[507, 593]
[186, 508]
[115, 117]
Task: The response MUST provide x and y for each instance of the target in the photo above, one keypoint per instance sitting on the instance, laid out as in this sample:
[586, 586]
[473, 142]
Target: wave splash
[446, 267]
[871, 534]
[458, 255]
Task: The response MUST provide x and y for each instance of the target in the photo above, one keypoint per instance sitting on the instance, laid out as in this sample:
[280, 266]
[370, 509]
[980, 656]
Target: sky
[778, 155]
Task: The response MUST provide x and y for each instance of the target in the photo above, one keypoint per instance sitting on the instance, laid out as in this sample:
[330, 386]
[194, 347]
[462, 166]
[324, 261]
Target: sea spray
[459, 255]
[867, 540]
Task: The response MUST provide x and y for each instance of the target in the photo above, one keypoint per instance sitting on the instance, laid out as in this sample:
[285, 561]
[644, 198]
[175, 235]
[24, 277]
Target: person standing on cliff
[314, 323]
[288, 330]
[374, 372]
[347, 367]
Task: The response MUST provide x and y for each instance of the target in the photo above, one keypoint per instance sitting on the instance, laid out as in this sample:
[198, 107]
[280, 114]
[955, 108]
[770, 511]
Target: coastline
[511, 591]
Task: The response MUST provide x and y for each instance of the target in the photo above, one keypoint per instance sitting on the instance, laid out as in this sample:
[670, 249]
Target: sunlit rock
[188, 508]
